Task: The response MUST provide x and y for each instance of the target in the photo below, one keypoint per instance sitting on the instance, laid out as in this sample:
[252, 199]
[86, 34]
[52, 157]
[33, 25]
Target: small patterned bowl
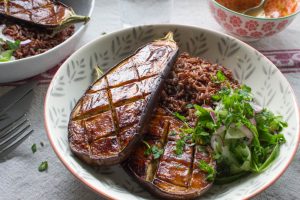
[248, 28]
[269, 86]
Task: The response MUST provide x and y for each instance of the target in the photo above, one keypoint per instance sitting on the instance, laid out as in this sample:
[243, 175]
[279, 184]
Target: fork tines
[14, 134]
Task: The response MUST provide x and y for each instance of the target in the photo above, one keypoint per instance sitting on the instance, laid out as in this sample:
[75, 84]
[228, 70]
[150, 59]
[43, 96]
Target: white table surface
[19, 177]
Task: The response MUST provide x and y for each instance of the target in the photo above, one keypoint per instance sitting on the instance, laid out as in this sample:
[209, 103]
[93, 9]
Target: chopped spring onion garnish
[153, 150]
[43, 166]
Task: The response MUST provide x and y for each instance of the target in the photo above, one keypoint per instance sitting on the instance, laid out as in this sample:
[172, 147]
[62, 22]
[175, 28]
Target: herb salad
[7, 49]
[244, 137]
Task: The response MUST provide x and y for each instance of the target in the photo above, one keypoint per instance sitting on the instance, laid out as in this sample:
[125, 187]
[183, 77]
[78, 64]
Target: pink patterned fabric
[287, 61]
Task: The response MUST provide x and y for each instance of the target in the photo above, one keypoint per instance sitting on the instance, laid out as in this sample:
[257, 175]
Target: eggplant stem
[72, 20]
[169, 37]
[75, 18]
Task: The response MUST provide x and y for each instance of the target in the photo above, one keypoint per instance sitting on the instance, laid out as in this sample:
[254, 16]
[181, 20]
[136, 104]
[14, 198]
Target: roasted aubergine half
[113, 114]
[156, 165]
[44, 13]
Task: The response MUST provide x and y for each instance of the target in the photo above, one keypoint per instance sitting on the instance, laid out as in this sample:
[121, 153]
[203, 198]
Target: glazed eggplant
[169, 176]
[45, 13]
[112, 116]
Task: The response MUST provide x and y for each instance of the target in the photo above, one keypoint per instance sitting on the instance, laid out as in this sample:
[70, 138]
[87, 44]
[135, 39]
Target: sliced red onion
[25, 42]
[207, 107]
[252, 120]
[213, 116]
[256, 108]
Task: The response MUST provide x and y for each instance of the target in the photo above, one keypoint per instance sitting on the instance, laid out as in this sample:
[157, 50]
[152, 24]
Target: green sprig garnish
[219, 77]
[153, 150]
[180, 144]
[200, 134]
[211, 172]
[6, 55]
[43, 166]
[179, 116]
[33, 148]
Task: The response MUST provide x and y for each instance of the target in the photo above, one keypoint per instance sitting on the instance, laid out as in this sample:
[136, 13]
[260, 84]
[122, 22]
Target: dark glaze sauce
[113, 112]
[170, 175]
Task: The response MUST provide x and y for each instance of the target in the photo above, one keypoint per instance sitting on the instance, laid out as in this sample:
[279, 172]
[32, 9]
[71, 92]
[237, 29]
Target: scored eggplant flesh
[111, 117]
[45, 13]
[171, 176]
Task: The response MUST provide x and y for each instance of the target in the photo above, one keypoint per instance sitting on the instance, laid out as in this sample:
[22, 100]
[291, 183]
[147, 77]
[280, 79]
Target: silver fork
[14, 134]
[14, 125]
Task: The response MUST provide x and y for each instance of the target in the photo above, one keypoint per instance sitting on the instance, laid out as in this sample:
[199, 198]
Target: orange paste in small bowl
[273, 8]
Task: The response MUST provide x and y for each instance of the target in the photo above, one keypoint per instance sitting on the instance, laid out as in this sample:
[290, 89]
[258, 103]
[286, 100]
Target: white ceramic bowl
[248, 28]
[31, 66]
[270, 88]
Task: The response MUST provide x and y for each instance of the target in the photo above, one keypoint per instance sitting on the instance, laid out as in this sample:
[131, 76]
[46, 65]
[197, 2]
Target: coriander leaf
[268, 127]
[179, 116]
[270, 159]
[211, 172]
[205, 125]
[43, 166]
[153, 150]
[180, 146]
[216, 97]
[246, 88]
[13, 45]
[6, 55]
[220, 76]
[33, 148]
[267, 119]
[157, 152]
[223, 92]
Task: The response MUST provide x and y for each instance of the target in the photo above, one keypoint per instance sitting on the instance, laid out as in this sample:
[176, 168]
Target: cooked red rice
[41, 40]
[190, 82]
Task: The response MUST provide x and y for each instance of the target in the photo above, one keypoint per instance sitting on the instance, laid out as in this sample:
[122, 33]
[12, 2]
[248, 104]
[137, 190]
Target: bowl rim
[82, 26]
[258, 18]
[104, 193]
